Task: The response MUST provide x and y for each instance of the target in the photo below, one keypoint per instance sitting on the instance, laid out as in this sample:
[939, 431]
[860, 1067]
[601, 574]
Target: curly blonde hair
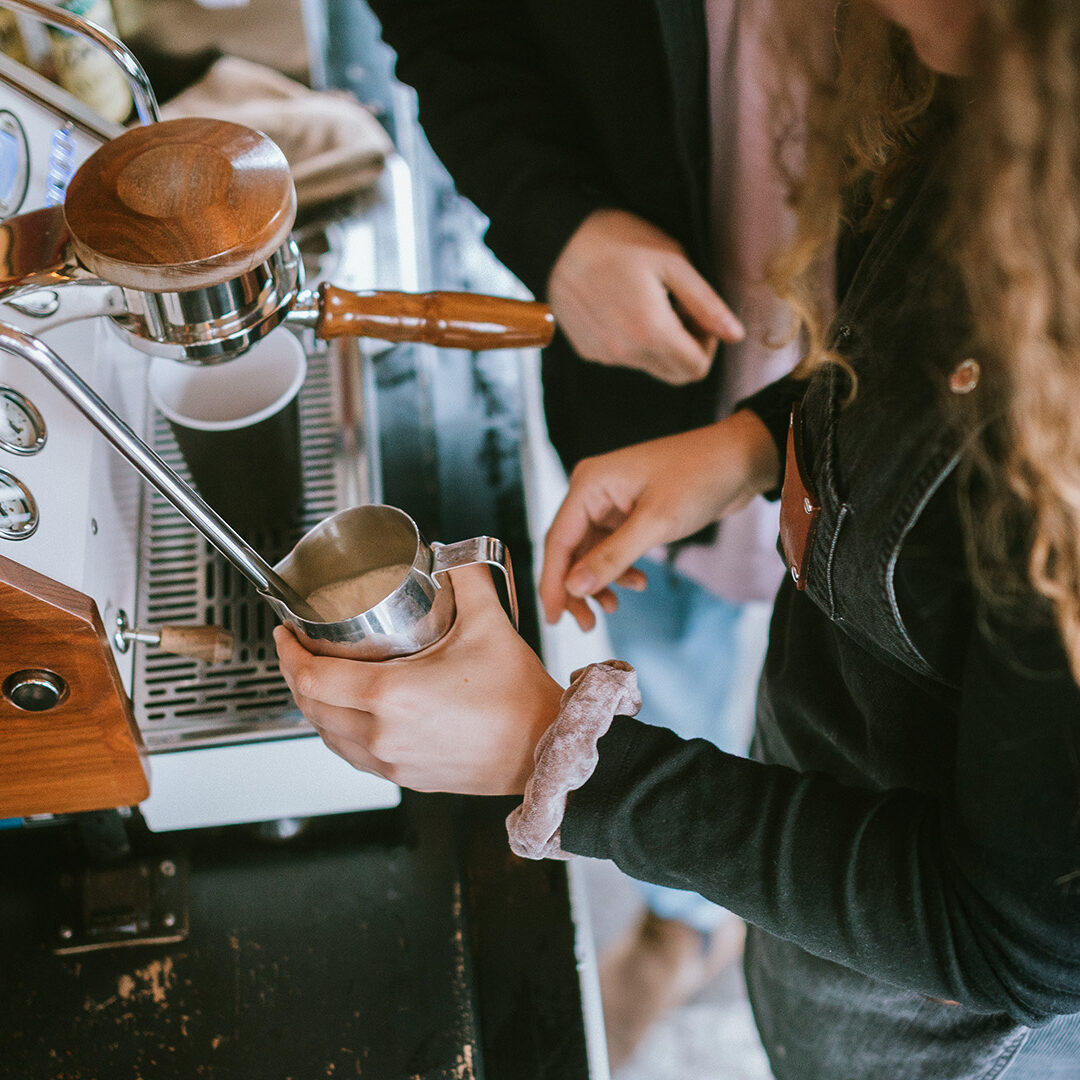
[1013, 232]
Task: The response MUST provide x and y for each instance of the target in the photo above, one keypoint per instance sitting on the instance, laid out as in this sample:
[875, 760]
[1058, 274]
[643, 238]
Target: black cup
[237, 425]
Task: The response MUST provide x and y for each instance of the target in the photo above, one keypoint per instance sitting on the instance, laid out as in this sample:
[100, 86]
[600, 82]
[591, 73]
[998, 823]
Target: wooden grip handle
[452, 320]
[197, 642]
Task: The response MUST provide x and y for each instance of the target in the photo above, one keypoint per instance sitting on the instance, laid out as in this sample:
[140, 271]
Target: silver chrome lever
[141, 91]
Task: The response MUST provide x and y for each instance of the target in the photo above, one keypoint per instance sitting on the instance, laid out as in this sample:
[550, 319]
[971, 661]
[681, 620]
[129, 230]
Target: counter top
[406, 944]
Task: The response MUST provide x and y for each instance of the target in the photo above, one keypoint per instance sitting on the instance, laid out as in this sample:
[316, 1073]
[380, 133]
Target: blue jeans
[1051, 1052]
[822, 1021]
[697, 659]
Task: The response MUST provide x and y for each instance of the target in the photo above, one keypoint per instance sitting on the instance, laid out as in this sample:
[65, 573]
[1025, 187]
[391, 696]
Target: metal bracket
[136, 902]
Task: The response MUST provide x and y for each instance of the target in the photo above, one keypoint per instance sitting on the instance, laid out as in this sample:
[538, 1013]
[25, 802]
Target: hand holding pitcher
[463, 715]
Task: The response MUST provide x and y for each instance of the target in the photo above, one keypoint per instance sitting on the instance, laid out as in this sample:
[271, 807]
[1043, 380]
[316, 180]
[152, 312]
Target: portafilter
[187, 225]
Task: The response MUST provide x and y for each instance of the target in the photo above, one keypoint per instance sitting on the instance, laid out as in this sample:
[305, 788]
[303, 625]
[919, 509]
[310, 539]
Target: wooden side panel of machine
[83, 753]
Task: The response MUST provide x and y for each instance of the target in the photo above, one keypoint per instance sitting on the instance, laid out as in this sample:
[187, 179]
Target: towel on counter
[333, 143]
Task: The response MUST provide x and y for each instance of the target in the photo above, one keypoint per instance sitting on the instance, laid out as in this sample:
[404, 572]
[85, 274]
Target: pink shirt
[750, 221]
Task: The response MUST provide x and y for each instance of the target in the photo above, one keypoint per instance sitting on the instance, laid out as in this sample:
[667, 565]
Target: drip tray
[182, 703]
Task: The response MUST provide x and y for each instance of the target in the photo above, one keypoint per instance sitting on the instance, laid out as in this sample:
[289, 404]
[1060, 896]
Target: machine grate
[184, 580]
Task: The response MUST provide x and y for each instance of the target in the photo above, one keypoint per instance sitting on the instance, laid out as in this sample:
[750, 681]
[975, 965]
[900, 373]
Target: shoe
[658, 965]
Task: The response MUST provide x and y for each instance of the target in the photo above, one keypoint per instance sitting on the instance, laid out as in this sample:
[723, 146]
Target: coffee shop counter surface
[393, 944]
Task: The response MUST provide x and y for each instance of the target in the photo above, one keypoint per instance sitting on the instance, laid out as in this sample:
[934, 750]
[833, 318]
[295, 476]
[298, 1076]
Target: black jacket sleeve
[772, 405]
[512, 136]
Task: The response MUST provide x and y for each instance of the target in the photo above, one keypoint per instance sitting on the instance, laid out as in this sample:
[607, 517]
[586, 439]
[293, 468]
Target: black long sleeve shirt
[938, 852]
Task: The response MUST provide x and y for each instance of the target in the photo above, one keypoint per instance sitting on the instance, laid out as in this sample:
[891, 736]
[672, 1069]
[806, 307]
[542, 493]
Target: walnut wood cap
[180, 205]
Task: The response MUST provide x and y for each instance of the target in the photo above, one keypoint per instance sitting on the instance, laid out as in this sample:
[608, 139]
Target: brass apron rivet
[965, 376]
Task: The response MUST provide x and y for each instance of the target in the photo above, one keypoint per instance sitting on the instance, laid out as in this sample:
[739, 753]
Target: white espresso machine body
[224, 742]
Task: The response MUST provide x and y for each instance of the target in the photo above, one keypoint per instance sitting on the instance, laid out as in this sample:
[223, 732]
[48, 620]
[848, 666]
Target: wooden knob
[180, 205]
[209, 643]
[452, 320]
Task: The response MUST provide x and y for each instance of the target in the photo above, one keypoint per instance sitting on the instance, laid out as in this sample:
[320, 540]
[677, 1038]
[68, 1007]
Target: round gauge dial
[22, 430]
[14, 163]
[18, 510]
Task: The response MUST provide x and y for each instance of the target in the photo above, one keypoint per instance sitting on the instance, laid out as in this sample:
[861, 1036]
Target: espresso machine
[104, 580]
[73, 513]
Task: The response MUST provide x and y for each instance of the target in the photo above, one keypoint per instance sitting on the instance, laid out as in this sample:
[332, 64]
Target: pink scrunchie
[566, 754]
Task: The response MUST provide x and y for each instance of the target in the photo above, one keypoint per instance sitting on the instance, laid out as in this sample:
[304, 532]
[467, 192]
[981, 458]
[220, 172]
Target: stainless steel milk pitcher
[418, 606]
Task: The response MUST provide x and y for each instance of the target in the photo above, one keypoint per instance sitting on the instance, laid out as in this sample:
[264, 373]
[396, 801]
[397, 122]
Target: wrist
[745, 448]
[546, 713]
[566, 754]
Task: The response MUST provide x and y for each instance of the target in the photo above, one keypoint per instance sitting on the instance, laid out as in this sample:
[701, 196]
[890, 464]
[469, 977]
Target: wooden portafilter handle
[209, 643]
[451, 320]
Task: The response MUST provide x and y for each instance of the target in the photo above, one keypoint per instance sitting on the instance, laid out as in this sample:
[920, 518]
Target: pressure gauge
[18, 510]
[22, 430]
[14, 164]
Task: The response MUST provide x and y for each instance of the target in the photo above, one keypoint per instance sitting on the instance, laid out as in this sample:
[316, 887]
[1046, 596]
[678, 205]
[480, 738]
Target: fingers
[613, 557]
[590, 537]
[607, 600]
[634, 580]
[556, 599]
[569, 529]
[582, 614]
[694, 298]
[355, 754]
[474, 591]
[346, 684]
[338, 726]
[337, 720]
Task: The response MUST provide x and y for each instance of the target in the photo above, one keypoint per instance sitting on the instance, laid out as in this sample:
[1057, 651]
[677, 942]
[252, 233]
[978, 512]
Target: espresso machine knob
[209, 643]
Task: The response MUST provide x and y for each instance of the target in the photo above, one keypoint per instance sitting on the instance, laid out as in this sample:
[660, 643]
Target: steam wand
[202, 516]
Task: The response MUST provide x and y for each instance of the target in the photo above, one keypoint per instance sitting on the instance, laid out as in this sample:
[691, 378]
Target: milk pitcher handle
[481, 549]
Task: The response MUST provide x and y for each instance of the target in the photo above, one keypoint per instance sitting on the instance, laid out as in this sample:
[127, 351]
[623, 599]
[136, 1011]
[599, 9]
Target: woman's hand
[623, 504]
[625, 294]
[462, 716]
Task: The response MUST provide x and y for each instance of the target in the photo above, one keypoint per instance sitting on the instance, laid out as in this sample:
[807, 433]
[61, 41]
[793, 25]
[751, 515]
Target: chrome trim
[36, 253]
[141, 91]
[40, 304]
[306, 310]
[75, 305]
[218, 322]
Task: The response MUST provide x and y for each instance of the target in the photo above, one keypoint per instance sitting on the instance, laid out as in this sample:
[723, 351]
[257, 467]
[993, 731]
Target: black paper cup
[237, 425]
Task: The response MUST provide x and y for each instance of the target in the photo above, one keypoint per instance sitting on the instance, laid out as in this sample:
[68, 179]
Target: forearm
[862, 878]
[772, 406]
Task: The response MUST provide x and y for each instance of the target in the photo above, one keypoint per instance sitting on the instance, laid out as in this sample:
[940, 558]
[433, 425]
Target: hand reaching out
[621, 505]
[625, 294]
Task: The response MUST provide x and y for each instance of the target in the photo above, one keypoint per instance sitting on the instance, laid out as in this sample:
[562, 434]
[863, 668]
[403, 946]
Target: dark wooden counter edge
[527, 984]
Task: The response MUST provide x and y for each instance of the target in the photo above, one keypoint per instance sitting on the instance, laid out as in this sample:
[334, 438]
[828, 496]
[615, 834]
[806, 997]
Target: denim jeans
[697, 659]
[822, 1021]
[1051, 1052]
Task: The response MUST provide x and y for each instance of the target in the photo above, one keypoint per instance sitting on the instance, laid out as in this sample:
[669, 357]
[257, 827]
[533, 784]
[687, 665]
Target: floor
[712, 1036]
